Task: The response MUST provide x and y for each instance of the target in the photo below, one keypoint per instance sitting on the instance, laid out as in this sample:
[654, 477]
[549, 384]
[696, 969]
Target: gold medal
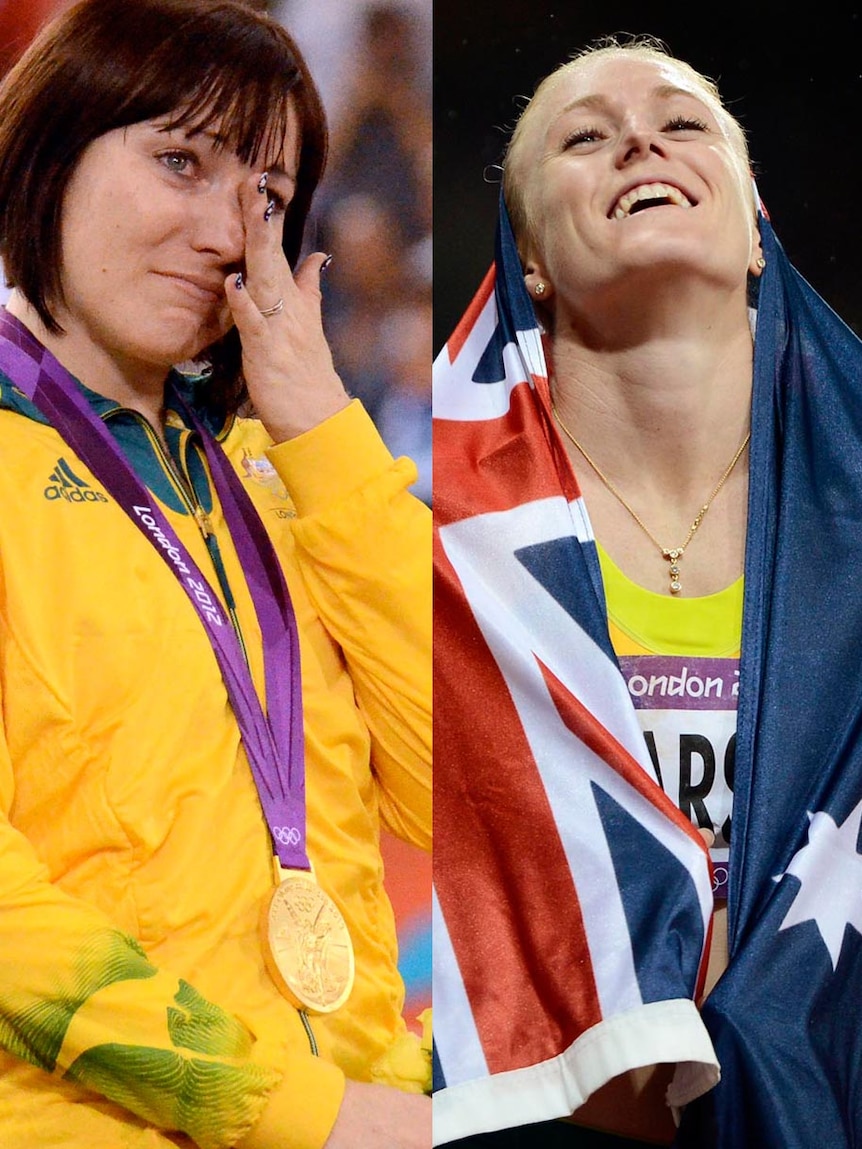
[307, 946]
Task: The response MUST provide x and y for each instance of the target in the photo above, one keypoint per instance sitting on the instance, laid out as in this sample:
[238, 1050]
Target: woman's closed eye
[685, 124]
[584, 135]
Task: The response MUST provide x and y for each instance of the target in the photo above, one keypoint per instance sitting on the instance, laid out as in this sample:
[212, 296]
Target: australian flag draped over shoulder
[572, 900]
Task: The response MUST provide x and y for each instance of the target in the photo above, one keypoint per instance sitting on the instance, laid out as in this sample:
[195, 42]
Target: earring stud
[539, 289]
[761, 262]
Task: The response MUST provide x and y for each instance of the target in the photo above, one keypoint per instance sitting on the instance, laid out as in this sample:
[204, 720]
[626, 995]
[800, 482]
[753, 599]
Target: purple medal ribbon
[274, 740]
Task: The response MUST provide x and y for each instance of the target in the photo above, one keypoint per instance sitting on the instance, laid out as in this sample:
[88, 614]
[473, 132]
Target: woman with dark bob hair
[214, 647]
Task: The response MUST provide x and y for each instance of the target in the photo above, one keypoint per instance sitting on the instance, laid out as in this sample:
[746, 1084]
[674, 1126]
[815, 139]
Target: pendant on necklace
[673, 556]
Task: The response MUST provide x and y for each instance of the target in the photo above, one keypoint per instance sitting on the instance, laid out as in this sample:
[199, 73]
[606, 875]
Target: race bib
[686, 707]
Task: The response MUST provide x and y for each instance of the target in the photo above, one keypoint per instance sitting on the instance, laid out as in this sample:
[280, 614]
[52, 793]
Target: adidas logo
[63, 483]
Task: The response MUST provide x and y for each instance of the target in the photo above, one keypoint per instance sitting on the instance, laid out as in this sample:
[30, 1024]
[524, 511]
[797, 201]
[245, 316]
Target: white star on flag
[829, 868]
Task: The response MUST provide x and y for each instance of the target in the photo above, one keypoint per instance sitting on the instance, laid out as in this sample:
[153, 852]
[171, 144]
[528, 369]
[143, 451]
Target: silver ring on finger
[266, 312]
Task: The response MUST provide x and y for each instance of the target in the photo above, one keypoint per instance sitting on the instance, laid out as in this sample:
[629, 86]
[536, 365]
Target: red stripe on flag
[474, 462]
[585, 726]
[516, 926]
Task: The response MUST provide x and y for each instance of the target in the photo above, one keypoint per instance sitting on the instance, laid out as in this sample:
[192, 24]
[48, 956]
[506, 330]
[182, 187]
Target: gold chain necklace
[672, 554]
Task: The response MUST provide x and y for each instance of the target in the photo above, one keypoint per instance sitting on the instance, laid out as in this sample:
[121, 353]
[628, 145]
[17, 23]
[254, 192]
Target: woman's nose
[639, 140]
[219, 226]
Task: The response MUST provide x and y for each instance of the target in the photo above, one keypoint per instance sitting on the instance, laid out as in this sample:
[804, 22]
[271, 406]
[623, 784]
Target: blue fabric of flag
[785, 1016]
[660, 893]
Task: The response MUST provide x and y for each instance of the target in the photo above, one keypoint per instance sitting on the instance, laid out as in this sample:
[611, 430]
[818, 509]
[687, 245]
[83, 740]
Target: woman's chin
[179, 342]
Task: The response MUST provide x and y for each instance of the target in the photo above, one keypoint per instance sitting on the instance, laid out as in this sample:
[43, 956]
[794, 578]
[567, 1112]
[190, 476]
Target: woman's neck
[661, 419]
[662, 410]
[130, 384]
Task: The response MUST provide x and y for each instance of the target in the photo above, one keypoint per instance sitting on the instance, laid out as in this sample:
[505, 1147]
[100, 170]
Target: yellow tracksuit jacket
[135, 1009]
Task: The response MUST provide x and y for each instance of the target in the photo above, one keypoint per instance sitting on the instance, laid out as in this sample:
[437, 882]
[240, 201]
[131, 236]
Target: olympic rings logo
[286, 835]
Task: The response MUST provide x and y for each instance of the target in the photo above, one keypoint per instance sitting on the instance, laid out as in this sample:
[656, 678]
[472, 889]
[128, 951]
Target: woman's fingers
[246, 314]
[308, 275]
[286, 360]
[247, 311]
[267, 279]
[267, 274]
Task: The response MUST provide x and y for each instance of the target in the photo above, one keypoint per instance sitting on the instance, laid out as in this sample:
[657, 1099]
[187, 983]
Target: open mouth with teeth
[648, 195]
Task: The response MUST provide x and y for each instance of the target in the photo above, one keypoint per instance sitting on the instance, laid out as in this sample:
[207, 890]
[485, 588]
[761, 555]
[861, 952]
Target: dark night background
[793, 80]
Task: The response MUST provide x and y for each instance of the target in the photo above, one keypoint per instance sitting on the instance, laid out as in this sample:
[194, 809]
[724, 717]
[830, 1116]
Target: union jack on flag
[572, 900]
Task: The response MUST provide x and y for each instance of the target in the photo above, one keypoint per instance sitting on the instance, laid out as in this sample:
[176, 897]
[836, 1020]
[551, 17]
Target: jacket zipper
[206, 528]
[186, 491]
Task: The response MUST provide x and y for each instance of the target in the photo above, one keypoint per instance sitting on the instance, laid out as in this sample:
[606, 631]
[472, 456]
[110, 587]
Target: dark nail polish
[238, 282]
[270, 208]
[261, 183]
[326, 263]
